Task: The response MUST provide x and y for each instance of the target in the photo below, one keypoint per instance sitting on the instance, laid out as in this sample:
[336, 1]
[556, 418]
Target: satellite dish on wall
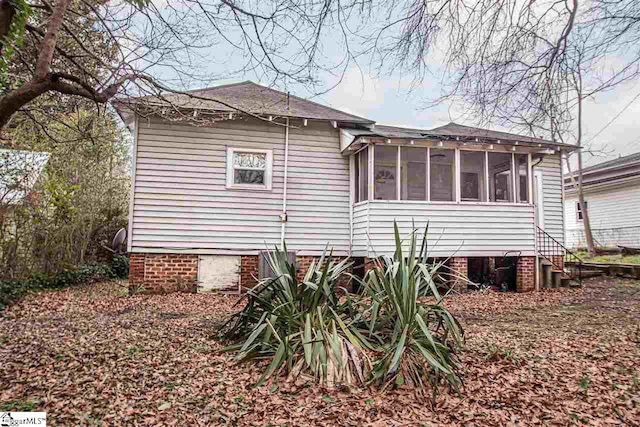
[118, 240]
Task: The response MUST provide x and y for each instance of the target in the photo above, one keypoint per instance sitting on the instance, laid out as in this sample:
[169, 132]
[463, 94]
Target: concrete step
[547, 277]
[556, 278]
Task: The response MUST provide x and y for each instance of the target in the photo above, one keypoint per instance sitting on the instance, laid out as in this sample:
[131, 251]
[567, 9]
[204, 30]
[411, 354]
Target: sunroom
[475, 193]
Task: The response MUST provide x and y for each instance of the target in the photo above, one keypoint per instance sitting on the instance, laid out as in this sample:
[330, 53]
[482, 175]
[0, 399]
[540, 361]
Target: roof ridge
[280, 92]
[221, 86]
[306, 100]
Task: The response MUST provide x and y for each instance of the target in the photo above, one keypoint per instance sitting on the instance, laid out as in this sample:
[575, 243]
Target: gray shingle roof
[454, 129]
[451, 130]
[619, 162]
[251, 98]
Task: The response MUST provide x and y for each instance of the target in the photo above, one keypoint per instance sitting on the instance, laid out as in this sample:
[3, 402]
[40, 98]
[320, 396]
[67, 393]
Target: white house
[207, 200]
[612, 196]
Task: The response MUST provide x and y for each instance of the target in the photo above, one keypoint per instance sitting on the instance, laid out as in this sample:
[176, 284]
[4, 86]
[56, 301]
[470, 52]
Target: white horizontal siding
[551, 167]
[454, 229]
[360, 229]
[317, 184]
[614, 213]
[181, 203]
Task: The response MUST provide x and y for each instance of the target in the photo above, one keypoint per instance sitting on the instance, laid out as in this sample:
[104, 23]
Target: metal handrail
[550, 248]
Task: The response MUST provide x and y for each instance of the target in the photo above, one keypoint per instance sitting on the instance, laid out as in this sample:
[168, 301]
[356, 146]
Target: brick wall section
[526, 279]
[249, 271]
[163, 273]
[136, 270]
[460, 267]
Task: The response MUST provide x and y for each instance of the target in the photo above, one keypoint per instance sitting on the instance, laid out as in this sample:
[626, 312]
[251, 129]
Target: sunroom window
[413, 173]
[501, 178]
[442, 174]
[410, 172]
[362, 175]
[522, 165]
[472, 176]
[384, 172]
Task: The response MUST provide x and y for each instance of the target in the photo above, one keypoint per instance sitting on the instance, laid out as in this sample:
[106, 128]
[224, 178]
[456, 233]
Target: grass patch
[18, 406]
[610, 259]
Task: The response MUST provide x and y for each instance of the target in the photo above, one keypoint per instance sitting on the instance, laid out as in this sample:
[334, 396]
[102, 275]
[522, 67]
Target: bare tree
[527, 65]
[100, 49]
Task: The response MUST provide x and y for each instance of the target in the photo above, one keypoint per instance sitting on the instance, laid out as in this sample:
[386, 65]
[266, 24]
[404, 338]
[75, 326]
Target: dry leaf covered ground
[92, 356]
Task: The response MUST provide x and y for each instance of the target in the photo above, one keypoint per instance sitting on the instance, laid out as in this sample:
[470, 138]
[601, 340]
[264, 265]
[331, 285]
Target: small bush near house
[386, 335]
[120, 266]
[12, 290]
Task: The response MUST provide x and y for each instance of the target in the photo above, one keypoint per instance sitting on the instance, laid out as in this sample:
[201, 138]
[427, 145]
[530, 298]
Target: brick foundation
[460, 269]
[526, 277]
[163, 273]
[249, 271]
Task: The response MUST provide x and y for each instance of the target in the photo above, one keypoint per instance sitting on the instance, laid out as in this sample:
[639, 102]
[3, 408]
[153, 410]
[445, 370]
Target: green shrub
[386, 335]
[120, 266]
[12, 290]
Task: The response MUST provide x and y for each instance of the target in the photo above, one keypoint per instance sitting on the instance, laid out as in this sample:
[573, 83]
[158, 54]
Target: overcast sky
[392, 101]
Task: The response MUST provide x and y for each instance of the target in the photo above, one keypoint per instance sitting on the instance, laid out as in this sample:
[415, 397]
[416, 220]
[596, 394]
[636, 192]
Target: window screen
[442, 174]
[472, 176]
[413, 173]
[384, 172]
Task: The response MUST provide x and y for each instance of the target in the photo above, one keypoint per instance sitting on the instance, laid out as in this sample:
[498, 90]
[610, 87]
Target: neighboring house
[19, 171]
[207, 200]
[612, 195]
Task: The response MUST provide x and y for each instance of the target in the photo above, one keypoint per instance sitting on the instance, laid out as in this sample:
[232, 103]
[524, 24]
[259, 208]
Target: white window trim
[268, 171]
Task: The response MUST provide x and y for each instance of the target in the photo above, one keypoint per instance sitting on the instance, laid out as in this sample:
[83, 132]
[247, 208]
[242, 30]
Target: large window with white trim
[249, 168]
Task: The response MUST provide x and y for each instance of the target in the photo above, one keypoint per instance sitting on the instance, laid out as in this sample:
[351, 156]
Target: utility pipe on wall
[283, 215]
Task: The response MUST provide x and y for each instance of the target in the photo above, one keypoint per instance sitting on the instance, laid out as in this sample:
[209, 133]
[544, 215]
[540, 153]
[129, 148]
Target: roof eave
[125, 107]
[543, 144]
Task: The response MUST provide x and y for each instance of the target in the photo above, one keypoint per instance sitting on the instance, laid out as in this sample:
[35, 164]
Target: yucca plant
[417, 340]
[302, 327]
[306, 328]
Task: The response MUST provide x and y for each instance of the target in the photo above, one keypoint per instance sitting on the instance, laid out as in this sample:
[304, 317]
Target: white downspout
[283, 215]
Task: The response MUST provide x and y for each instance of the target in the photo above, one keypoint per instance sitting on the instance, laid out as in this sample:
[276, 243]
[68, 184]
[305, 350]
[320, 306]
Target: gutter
[283, 215]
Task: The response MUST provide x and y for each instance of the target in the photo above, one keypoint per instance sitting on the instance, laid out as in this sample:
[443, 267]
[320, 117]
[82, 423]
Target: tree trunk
[18, 98]
[7, 12]
[585, 212]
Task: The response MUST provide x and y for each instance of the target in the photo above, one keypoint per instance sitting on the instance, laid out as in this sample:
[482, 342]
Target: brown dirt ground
[93, 356]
